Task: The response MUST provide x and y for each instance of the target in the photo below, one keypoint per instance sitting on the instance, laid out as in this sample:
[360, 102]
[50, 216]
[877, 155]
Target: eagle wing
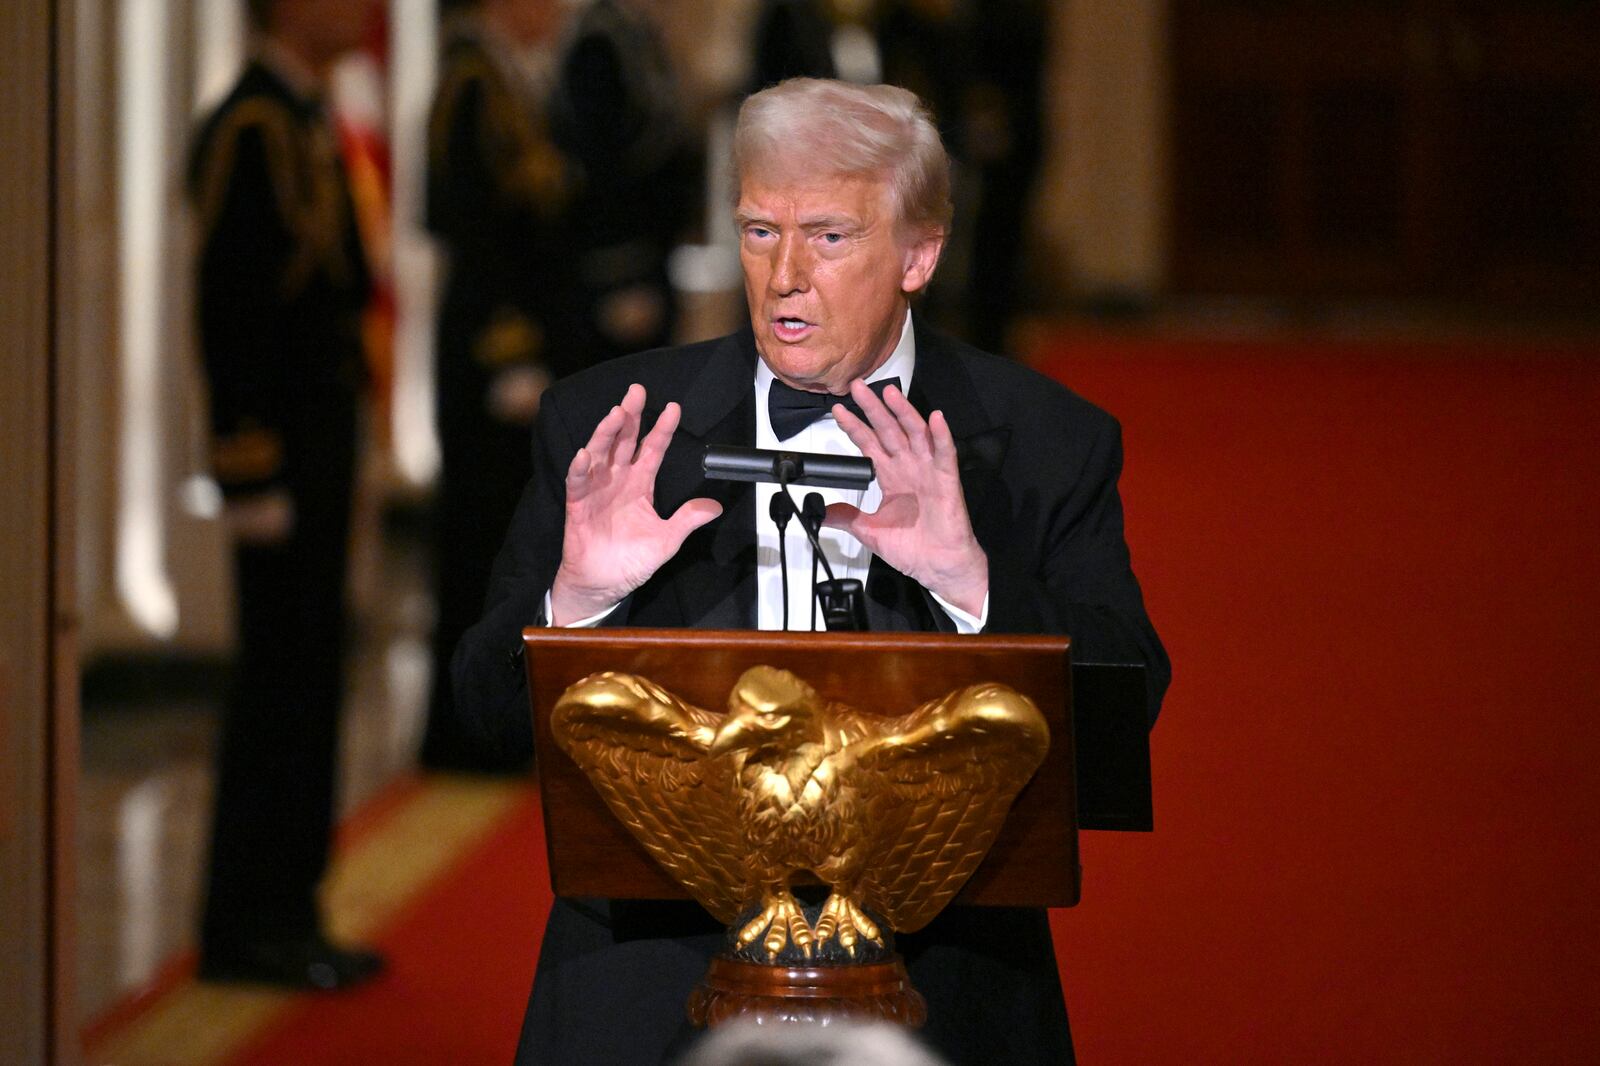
[644, 750]
[938, 783]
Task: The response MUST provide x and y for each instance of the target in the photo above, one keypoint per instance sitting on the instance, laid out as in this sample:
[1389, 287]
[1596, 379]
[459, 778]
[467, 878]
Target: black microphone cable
[811, 512]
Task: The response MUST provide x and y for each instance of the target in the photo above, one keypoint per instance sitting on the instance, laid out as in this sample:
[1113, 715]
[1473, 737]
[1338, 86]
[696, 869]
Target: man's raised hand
[921, 528]
[613, 539]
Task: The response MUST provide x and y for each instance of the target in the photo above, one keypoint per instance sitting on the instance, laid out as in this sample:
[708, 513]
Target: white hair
[814, 126]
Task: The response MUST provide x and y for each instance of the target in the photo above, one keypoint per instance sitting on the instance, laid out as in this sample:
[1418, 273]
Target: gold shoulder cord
[323, 219]
[457, 76]
[276, 127]
[303, 170]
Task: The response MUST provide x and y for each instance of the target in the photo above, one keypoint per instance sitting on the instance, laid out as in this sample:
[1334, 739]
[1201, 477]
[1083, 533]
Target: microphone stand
[782, 510]
[843, 605]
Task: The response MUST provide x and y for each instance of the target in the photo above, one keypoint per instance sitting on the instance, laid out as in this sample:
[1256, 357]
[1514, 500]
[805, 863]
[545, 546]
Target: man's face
[530, 22]
[827, 275]
[331, 27]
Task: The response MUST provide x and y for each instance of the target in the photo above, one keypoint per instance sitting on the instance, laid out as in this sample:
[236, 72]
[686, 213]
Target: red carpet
[1377, 794]
[1378, 770]
[461, 963]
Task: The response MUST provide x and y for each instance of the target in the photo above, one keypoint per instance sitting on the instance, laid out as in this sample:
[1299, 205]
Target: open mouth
[791, 329]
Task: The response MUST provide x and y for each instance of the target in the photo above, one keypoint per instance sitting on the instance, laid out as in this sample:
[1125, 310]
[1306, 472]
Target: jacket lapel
[713, 575]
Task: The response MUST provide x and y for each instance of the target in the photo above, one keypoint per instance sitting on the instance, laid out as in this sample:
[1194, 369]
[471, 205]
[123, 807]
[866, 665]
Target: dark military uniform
[615, 114]
[793, 39]
[1003, 143]
[980, 68]
[281, 286]
[497, 193]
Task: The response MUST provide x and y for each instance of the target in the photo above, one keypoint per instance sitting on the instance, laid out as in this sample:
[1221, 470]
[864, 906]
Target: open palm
[921, 528]
[613, 539]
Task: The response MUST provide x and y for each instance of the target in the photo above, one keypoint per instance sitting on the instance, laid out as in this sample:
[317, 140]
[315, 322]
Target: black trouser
[278, 748]
[608, 995]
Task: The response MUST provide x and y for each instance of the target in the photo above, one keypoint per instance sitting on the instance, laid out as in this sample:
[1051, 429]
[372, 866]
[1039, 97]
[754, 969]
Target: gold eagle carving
[893, 814]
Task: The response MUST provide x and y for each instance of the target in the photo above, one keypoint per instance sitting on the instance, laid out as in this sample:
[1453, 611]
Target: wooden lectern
[1032, 862]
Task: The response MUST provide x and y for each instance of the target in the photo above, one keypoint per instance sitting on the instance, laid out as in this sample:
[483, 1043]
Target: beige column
[1102, 198]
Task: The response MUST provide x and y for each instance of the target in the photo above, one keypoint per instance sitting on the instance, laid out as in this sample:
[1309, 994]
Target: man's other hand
[260, 519]
[614, 540]
[921, 528]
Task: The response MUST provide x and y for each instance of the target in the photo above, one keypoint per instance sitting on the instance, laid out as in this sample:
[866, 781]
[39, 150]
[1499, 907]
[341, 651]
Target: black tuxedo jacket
[1039, 468]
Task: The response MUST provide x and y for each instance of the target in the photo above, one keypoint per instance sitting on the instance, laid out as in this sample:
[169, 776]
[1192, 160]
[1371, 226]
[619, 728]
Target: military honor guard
[498, 191]
[281, 286]
[616, 115]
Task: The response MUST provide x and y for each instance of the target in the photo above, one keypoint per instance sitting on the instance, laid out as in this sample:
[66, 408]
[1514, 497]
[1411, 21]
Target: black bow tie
[792, 410]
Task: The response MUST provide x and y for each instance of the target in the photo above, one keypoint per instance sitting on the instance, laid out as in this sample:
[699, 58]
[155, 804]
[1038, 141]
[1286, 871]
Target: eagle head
[768, 708]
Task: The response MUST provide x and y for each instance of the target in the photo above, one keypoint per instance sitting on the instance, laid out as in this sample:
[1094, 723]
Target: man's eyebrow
[832, 224]
[821, 222]
[746, 217]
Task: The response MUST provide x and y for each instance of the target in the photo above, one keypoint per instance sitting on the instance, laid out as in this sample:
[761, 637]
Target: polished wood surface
[36, 548]
[1034, 861]
[812, 995]
[7, 774]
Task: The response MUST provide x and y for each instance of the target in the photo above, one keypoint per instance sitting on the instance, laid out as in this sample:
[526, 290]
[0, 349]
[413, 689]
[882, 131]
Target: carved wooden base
[815, 994]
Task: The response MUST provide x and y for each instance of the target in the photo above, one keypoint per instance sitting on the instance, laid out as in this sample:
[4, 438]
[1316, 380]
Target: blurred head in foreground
[846, 1044]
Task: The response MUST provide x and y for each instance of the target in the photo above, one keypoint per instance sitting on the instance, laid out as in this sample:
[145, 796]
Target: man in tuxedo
[994, 509]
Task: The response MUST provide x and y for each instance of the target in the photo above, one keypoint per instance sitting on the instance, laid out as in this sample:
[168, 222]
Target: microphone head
[813, 508]
[782, 508]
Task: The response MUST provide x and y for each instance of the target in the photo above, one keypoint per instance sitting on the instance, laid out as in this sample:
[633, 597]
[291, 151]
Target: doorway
[1434, 149]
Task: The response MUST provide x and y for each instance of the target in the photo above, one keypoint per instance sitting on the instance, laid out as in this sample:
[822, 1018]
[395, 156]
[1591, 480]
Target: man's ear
[921, 258]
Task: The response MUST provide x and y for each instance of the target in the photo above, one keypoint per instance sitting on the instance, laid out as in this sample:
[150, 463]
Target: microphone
[726, 462]
[782, 510]
[844, 607]
[811, 512]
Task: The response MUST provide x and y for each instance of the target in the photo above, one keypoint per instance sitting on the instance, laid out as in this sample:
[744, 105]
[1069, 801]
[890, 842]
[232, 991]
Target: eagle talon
[780, 922]
[842, 919]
